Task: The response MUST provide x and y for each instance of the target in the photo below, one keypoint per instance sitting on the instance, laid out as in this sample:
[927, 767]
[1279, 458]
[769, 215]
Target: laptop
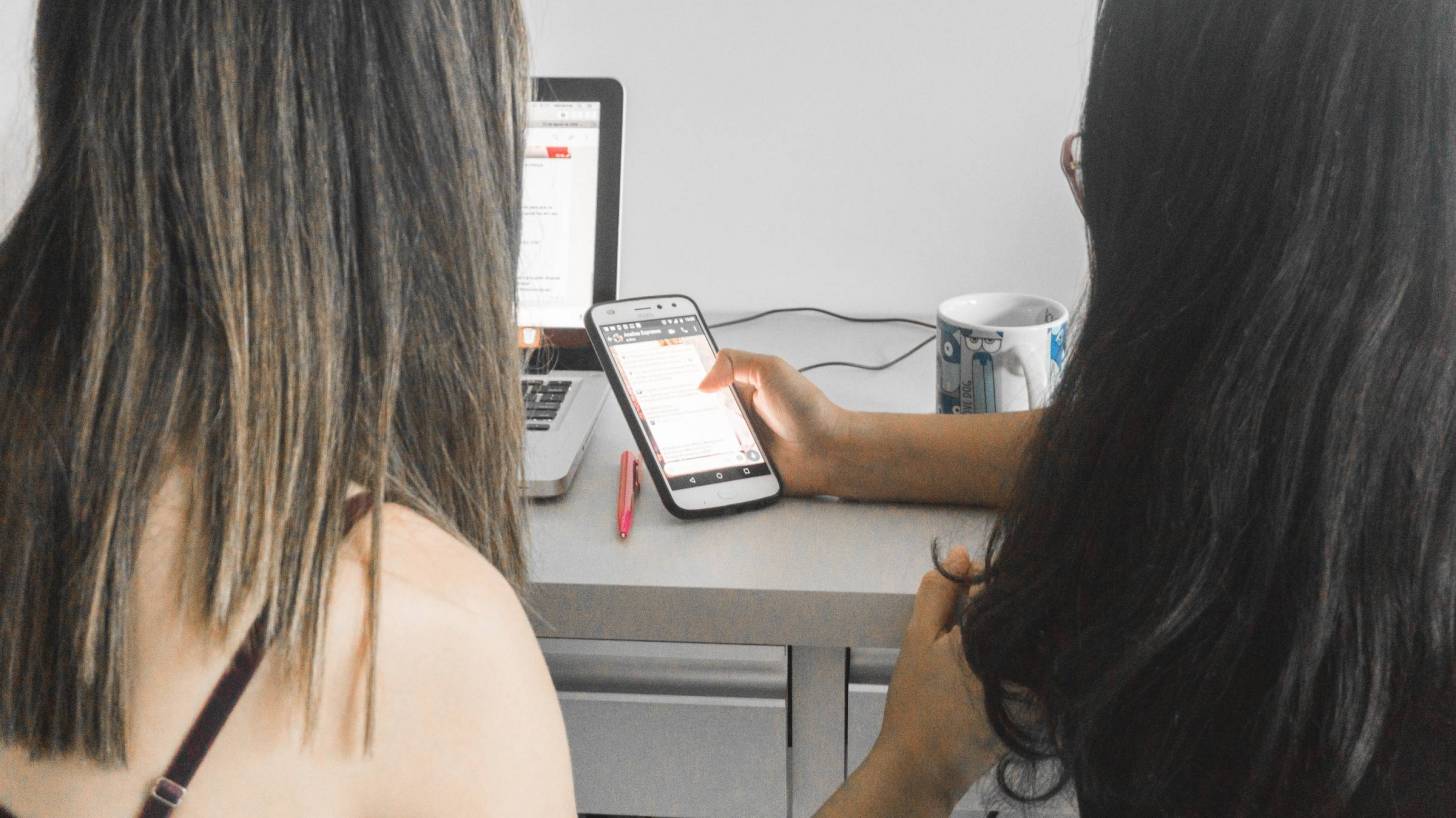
[571, 197]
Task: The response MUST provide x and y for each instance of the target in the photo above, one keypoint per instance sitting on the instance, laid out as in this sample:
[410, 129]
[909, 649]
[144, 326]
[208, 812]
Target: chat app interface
[698, 438]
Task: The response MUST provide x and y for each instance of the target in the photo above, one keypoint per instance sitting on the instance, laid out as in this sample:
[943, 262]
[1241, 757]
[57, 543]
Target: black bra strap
[168, 790]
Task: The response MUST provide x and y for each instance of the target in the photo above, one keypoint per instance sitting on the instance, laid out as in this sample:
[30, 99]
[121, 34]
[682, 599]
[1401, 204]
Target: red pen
[629, 480]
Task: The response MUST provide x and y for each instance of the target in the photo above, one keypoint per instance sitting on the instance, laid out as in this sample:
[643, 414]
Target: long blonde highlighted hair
[273, 243]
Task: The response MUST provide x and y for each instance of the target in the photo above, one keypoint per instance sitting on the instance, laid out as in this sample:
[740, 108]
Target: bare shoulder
[419, 556]
[467, 720]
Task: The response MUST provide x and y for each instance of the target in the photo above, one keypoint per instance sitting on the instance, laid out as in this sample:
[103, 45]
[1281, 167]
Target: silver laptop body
[554, 448]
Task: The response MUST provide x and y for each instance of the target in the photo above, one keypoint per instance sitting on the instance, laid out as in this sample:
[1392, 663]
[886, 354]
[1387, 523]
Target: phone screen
[697, 438]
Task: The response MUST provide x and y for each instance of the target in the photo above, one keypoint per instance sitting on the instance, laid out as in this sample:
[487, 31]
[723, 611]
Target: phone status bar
[629, 331]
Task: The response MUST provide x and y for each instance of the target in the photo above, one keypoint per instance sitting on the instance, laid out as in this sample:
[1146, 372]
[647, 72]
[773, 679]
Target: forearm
[902, 783]
[954, 459]
[877, 788]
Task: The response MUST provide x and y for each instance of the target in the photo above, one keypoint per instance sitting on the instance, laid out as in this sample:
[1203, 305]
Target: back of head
[271, 245]
[1231, 565]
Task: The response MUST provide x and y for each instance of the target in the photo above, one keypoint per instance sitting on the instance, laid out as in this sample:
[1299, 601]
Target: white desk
[820, 576]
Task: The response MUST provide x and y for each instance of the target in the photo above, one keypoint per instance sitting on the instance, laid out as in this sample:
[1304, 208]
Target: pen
[629, 480]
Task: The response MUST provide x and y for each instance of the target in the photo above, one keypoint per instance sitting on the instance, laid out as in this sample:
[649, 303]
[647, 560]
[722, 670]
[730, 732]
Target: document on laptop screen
[559, 214]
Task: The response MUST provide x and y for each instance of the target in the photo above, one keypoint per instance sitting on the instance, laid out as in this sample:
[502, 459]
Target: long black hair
[1230, 565]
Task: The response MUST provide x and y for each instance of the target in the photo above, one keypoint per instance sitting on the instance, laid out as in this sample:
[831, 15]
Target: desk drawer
[674, 730]
[869, 680]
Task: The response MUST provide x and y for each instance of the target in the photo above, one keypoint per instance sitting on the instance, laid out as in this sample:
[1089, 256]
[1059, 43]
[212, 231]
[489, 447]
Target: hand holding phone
[798, 421]
[698, 447]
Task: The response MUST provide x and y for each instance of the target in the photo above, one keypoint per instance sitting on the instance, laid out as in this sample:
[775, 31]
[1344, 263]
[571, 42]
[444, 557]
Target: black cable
[867, 367]
[822, 311]
[850, 318]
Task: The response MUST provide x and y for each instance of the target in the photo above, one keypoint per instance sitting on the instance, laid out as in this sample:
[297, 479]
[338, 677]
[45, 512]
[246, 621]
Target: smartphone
[699, 448]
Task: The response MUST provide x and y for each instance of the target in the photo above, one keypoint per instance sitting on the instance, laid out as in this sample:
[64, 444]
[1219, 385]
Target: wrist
[832, 455]
[847, 452]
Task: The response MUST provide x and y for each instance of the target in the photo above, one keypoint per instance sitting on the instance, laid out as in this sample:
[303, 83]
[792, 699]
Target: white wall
[17, 104]
[873, 155]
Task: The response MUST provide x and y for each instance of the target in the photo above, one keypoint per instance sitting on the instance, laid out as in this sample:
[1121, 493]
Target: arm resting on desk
[821, 448]
[954, 459]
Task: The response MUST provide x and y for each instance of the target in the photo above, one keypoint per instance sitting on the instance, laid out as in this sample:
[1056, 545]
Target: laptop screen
[559, 214]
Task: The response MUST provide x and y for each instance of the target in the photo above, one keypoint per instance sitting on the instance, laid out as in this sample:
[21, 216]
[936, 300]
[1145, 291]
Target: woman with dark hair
[262, 289]
[1224, 580]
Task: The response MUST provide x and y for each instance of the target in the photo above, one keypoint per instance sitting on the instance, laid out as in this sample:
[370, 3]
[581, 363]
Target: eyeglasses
[1072, 166]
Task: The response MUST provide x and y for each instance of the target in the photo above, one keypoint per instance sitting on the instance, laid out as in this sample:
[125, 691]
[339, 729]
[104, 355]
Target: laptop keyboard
[543, 401]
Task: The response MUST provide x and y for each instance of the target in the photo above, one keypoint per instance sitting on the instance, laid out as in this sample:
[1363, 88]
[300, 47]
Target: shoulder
[419, 557]
[466, 717]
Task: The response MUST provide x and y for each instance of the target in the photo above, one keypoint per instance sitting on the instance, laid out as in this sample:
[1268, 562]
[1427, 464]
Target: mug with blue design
[999, 352]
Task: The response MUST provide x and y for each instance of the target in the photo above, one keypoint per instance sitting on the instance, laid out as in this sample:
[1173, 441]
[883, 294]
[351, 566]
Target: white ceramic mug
[999, 352]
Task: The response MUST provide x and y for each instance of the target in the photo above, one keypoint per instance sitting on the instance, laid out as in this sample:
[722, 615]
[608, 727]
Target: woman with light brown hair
[262, 289]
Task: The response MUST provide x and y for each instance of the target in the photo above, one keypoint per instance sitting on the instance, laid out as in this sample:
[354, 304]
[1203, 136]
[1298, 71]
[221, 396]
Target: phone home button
[727, 493]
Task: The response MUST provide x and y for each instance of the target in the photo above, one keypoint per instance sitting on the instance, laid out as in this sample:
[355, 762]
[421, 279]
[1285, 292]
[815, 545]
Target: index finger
[735, 366]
